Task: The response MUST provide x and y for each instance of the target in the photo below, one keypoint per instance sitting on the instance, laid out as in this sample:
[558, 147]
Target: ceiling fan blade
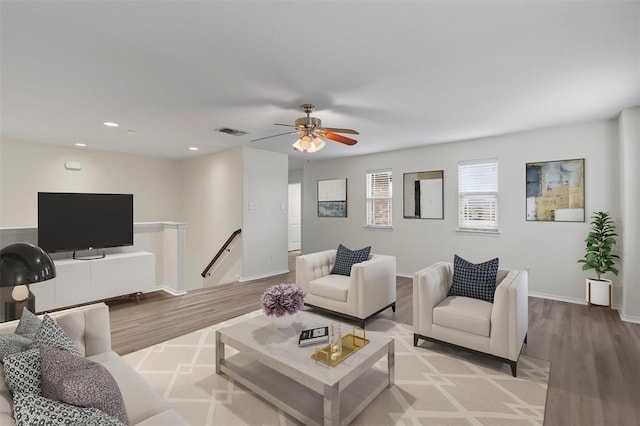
[280, 124]
[337, 130]
[273, 136]
[339, 138]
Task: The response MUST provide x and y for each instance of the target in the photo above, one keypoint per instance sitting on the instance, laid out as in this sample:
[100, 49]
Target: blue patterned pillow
[346, 258]
[474, 280]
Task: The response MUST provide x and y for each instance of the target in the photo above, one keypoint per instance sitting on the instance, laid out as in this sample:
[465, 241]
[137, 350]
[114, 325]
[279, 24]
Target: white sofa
[370, 289]
[498, 329]
[88, 327]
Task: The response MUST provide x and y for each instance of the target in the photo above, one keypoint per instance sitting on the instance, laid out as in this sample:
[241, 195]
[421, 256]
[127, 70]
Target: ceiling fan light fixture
[309, 144]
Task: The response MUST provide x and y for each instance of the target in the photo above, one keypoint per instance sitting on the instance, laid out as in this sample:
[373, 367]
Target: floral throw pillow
[30, 409]
[79, 381]
[51, 334]
[29, 324]
[22, 371]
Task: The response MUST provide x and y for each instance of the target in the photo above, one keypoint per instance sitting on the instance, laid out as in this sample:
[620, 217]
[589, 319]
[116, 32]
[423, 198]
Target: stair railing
[222, 250]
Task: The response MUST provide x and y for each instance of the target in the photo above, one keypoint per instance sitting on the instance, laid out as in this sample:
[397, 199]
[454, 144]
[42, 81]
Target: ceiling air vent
[231, 131]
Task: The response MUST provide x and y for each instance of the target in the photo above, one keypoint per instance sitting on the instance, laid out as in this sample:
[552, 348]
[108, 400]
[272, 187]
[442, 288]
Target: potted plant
[598, 256]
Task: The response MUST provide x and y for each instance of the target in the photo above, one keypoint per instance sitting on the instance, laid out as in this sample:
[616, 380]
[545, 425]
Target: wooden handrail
[222, 249]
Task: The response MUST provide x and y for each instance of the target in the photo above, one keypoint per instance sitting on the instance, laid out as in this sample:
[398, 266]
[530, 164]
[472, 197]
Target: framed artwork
[555, 191]
[332, 198]
[424, 195]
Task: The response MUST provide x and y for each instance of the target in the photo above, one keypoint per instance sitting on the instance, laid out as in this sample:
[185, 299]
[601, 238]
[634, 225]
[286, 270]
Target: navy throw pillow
[474, 280]
[346, 258]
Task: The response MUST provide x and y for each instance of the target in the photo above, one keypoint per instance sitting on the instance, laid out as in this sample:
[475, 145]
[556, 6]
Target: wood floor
[595, 357]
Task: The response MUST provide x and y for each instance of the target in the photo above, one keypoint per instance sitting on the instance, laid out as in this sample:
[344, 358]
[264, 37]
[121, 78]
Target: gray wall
[549, 250]
[265, 214]
[212, 204]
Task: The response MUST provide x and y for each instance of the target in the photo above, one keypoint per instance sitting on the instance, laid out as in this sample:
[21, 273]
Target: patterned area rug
[434, 385]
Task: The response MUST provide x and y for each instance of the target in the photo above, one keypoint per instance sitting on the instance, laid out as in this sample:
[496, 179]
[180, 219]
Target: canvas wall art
[332, 198]
[555, 191]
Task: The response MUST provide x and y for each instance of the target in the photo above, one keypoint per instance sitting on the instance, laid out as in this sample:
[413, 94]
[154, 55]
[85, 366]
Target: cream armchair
[498, 329]
[370, 289]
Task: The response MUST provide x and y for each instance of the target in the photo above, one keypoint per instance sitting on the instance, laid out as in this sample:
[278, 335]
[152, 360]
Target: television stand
[90, 257]
[80, 281]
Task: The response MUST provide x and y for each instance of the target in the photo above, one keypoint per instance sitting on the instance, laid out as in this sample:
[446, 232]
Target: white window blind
[379, 195]
[478, 195]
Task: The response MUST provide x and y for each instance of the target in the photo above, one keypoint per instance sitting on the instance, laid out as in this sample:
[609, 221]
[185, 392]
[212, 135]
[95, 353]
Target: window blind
[478, 195]
[378, 198]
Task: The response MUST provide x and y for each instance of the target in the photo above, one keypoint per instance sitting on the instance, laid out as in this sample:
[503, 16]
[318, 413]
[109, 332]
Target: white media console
[82, 281]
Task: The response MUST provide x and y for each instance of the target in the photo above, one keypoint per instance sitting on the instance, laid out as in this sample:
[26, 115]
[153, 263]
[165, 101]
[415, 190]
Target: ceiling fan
[313, 132]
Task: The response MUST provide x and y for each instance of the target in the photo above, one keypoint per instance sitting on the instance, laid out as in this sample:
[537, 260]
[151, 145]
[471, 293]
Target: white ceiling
[402, 73]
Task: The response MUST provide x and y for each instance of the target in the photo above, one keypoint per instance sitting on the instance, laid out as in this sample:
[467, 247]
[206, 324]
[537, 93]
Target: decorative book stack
[313, 336]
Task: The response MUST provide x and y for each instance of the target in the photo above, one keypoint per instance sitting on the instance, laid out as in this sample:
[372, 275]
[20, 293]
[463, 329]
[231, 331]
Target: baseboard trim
[167, 289]
[617, 308]
[628, 318]
[261, 276]
[403, 275]
[558, 298]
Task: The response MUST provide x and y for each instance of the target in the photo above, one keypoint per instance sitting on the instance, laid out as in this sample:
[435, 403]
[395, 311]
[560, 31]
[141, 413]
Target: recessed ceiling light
[80, 144]
[110, 124]
[193, 148]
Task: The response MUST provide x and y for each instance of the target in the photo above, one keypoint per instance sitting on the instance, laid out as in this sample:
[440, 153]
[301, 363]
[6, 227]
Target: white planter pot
[600, 291]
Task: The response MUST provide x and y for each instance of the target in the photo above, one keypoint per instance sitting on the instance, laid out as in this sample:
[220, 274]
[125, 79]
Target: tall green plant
[600, 240]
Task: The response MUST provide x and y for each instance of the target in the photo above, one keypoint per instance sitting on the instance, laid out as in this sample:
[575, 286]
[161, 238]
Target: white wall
[549, 250]
[26, 168]
[630, 207]
[212, 204]
[265, 220]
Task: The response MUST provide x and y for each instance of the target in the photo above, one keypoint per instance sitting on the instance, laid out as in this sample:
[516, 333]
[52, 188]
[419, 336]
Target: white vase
[284, 321]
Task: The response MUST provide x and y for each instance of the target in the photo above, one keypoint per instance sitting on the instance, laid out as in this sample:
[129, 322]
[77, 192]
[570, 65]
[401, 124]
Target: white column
[629, 129]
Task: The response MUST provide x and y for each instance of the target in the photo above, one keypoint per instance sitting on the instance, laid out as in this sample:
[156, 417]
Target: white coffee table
[269, 362]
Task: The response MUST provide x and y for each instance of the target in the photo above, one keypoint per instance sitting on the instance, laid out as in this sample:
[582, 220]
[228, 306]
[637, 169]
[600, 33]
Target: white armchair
[498, 329]
[370, 289]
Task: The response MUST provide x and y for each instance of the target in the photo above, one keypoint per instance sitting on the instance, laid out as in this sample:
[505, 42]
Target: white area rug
[434, 385]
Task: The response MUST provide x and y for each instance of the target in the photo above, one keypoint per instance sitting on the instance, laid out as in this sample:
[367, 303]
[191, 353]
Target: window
[379, 194]
[478, 195]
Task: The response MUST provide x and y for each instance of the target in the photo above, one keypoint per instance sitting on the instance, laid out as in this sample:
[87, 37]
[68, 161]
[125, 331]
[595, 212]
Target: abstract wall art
[555, 191]
[332, 198]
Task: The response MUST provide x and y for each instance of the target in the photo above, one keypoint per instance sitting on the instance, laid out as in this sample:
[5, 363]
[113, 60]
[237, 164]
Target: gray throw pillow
[79, 381]
[22, 371]
[12, 344]
[474, 280]
[29, 324]
[346, 258]
[51, 334]
[30, 409]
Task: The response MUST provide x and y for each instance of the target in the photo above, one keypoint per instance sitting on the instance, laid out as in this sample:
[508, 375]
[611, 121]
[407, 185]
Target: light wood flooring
[595, 357]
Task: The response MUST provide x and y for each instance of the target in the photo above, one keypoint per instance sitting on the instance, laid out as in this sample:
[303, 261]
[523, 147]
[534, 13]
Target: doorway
[295, 216]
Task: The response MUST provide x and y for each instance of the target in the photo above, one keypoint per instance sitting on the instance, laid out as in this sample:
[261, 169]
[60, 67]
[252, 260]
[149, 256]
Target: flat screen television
[78, 221]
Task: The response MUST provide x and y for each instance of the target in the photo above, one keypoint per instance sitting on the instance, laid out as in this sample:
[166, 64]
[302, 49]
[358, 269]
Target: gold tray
[350, 343]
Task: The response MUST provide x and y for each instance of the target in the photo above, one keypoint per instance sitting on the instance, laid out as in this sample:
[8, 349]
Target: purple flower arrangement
[282, 299]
